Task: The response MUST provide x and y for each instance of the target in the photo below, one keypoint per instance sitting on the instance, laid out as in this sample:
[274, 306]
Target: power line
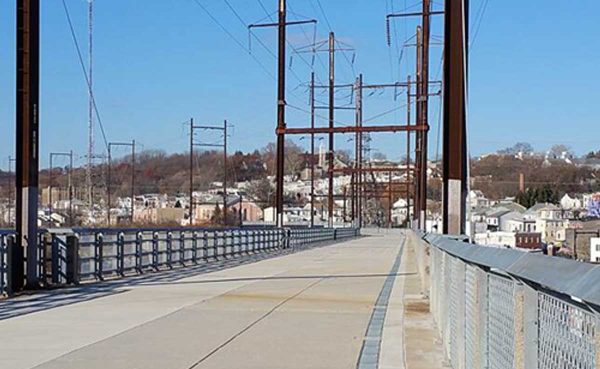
[324, 15]
[85, 73]
[232, 37]
[314, 38]
[478, 26]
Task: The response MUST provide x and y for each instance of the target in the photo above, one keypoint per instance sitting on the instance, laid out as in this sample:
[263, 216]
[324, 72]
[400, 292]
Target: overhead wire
[478, 24]
[85, 72]
[232, 37]
[322, 10]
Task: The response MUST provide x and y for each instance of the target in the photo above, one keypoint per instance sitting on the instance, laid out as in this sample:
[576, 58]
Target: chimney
[521, 182]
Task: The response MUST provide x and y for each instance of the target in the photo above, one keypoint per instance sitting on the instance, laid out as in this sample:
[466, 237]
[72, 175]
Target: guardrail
[4, 235]
[84, 254]
[505, 309]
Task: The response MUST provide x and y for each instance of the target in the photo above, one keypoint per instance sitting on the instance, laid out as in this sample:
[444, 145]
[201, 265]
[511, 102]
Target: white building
[499, 239]
[477, 199]
[399, 211]
[570, 203]
[595, 250]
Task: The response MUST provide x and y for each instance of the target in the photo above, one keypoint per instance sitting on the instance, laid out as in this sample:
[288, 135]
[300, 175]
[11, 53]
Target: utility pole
[11, 195]
[421, 105]
[408, 156]
[419, 143]
[455, 170]
[225, 172]
[312, 150]
[90, 154]
[280, 171]
[281, 125]
[424, 102]
[331, 120]
[109, 185]
[344, 204]
[70, 188]
[359, 153]
[27, 139]
[206, 144]
[191, 214]
[390, 199]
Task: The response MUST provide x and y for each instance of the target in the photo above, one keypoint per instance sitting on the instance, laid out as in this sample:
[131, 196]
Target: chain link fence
[505, 309]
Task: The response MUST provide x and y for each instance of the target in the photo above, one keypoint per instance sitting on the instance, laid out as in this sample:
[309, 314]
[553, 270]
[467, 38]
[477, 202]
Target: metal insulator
[387, 31]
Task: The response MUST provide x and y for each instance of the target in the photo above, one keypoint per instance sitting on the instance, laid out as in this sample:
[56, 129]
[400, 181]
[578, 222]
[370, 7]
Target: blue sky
[534, 72]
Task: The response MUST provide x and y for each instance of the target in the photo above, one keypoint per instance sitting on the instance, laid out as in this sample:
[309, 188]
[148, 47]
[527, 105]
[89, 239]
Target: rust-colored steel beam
[373, 170]
[27, 140]
[455, 117]
[351, 129]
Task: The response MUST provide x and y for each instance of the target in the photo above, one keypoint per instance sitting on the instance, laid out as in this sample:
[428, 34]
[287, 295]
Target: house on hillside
[477, 199]
[570, 203]
[550, 221]
[493, 217]
[516, 222]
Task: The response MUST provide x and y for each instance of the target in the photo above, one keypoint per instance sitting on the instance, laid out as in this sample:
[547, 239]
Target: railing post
[51, 247]
[482, 300]
[519, 327]
[139, 253]
[99, 255]
[461, 315]
[526, 327]
[182, 248]
[155, 250]
[170, 250]
[205, 246]
[121, 254]
[16, 270]
[531, 327]
[194, 246]
[72, 259]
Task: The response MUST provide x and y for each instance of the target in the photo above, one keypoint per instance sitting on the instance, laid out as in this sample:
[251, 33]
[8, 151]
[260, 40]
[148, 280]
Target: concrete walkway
[306, 310]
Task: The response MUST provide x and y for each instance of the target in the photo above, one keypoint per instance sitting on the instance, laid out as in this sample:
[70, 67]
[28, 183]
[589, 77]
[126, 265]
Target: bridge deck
[312, 309]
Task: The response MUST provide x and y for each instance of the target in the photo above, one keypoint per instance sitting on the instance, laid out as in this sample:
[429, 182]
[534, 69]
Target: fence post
[51, 247]
[155, 250]
[519, 328]
[72, 259]
[482, 308]
[205, 246]
[139, 253]
[526, 327]
[194, 246]
[170, 250]
[461, 313]
[99, 255]
[182, 248]
[15, 266]
[121, 253]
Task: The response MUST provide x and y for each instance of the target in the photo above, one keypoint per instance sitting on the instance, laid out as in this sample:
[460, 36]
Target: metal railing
[84, 254]
[4, 235]
[505, 309]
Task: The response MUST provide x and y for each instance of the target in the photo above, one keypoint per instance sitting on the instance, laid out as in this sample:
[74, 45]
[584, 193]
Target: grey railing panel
[518, 310]
[491, 257]
[587, 288]
[557, 274]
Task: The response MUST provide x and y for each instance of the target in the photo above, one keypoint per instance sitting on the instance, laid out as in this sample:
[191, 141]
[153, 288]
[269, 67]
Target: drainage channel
[369, 353]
